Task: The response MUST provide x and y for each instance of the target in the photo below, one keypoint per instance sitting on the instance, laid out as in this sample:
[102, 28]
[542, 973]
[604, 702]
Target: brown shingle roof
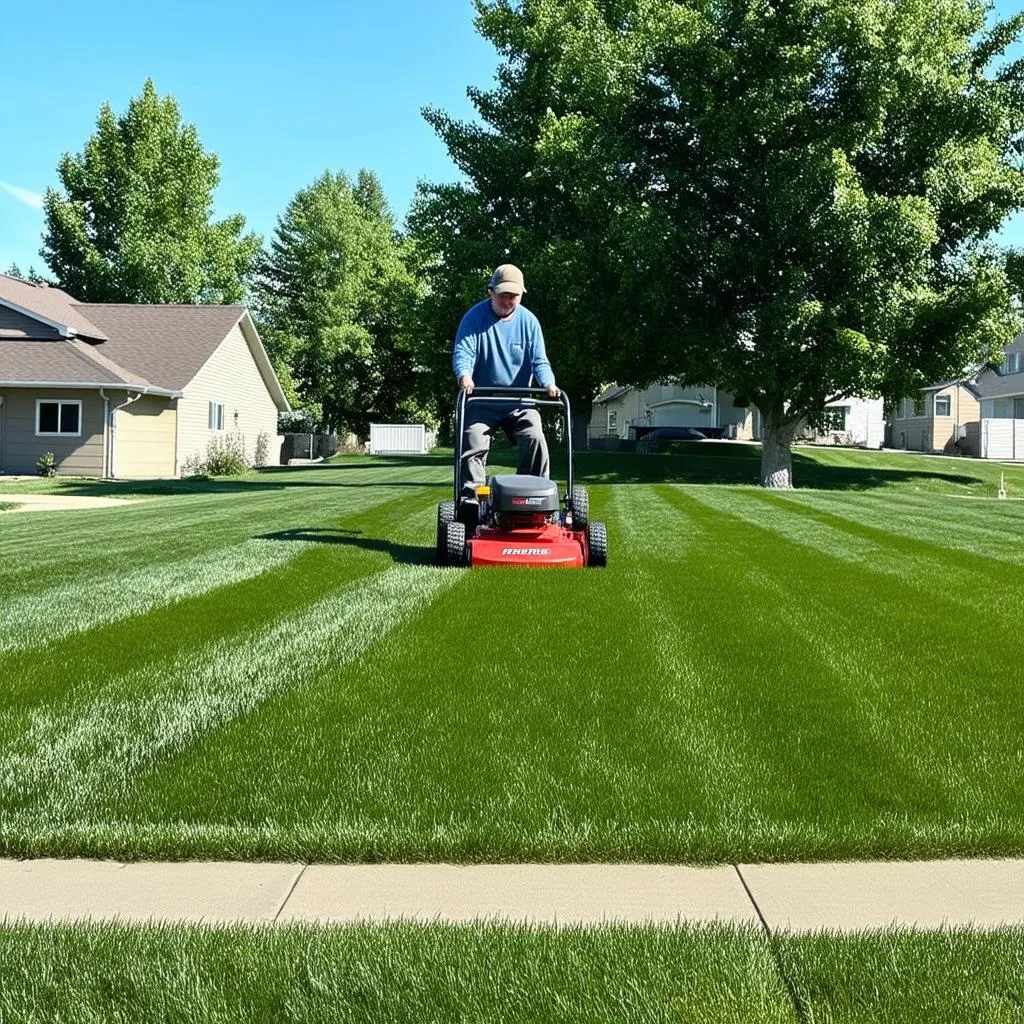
[50, 303]
[70, 362]
[166, 344]
[159, 346]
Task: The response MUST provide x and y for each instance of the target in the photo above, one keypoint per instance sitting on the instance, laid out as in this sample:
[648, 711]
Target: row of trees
[792, 199]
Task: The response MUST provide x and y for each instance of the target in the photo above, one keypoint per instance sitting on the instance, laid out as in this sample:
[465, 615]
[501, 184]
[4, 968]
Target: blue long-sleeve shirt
[501, 353]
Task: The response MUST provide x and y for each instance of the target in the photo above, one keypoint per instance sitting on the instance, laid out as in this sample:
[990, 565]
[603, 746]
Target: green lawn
[271, 668]
[503, 974]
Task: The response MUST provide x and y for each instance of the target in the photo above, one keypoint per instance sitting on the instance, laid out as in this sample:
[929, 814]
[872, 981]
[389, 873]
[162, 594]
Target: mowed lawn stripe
[940, 575]
[65, 547]
[798, 735]
[964, 532]
[63, 763]
[687, 736]
[904, 672]
[311, 562]
[34, 619]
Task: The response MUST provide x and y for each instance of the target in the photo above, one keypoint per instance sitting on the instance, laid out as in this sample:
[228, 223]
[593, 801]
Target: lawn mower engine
[520, 524]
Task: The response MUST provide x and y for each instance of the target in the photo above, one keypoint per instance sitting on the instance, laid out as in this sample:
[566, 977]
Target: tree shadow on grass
[405, 554]
[699, 463]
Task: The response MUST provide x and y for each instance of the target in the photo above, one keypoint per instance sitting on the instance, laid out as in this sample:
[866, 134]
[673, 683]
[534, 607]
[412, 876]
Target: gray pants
[521, 425]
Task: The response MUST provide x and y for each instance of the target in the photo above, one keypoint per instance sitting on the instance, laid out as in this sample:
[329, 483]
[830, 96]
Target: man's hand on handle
[467, 385]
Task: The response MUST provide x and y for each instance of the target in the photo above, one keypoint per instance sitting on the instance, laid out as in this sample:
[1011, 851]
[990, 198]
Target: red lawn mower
[519, 519]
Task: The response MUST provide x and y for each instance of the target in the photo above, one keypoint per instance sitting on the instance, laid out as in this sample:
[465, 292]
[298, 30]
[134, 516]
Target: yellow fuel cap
[483, 492]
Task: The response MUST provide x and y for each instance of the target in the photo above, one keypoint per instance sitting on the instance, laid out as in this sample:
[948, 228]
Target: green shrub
[46, 464]
[192, 466]
[262, 452]
[226, 456]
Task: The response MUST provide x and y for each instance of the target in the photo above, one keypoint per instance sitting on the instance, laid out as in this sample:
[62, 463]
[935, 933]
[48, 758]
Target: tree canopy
[790, 199]
[133, 220]
[335, 303]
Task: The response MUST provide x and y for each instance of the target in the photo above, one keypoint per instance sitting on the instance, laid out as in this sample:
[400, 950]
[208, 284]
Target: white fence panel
[398, 439]
[1002, 439]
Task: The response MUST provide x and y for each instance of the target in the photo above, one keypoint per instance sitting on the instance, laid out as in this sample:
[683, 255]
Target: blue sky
[280, 92]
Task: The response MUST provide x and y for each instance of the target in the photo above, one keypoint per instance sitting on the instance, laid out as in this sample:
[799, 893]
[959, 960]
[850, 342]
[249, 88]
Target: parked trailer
[398, 439]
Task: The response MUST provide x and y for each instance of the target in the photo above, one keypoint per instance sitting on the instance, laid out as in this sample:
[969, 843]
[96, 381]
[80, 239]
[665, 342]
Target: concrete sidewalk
[55, 502]
[840, 896]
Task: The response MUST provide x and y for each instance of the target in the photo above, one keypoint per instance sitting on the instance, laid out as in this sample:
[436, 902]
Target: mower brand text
[527, 501]
[526, 551]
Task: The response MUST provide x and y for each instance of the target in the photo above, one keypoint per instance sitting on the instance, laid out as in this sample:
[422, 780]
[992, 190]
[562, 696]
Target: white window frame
[215, 416]
[60, 403]
[948, 399]
[613, 419]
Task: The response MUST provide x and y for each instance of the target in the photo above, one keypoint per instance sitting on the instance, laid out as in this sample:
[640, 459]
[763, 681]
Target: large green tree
[791, 199]
[336, 301]
[133, 220]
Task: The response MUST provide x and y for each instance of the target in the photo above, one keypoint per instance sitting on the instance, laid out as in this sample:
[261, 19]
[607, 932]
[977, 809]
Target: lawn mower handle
[509, 396]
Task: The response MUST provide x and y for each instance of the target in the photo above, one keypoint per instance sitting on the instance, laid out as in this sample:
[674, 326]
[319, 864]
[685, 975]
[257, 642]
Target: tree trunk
[777, 431]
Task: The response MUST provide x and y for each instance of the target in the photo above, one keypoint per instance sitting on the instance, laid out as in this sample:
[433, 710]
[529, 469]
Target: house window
[613, 420]
[835, 418]
[919, 405]
[1018, 408]
[942, 405]
[1012, 363]
[216, 416]
[58, 419]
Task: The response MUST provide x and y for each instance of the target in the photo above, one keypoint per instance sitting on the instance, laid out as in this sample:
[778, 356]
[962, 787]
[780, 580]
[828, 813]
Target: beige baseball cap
[507, 278]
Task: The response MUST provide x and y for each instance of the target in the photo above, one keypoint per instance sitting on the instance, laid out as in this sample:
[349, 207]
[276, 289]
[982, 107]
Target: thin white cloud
[33, 199]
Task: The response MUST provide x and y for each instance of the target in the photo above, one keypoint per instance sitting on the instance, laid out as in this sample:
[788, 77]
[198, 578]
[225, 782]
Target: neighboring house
[852, 422]
[1001, 430]
[628, 412]
[940, 418]
[127, 390]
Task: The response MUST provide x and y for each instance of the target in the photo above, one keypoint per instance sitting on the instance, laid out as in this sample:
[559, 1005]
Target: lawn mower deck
[550, 545]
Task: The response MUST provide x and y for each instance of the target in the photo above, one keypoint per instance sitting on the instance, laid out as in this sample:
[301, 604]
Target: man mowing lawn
[499, 343]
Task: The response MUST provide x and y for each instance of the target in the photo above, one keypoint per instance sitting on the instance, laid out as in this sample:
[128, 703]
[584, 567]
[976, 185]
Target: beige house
[940, 418]
[127, 391]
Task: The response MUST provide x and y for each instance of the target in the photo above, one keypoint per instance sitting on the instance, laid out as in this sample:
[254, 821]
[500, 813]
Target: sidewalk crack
[773, 949]
[288, 894]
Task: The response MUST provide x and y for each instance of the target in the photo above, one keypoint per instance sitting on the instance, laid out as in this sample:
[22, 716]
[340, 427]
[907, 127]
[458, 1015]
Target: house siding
[12, 320]
[997, 385]
[230, 376]
[931, 433]
[671, 405]
[20, 447]
[146, 435]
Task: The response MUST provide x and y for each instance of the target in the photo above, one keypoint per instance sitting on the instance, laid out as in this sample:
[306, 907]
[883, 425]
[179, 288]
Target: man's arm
[464, 354]
[542, 371]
